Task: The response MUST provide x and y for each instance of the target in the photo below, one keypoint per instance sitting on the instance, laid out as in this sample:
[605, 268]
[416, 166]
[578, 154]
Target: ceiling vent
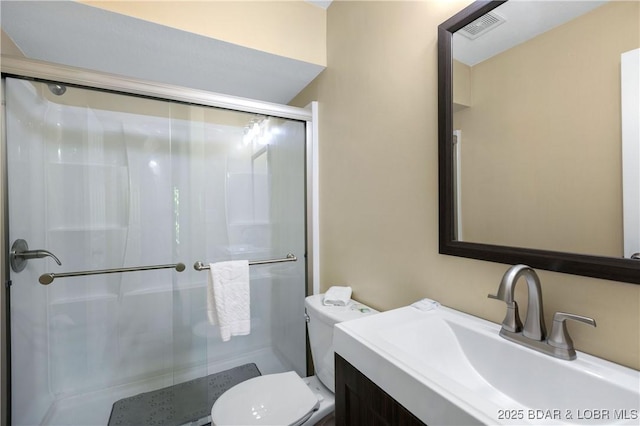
[482, 25]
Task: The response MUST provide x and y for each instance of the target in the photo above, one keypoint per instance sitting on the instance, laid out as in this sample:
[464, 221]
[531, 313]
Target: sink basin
[448, 367]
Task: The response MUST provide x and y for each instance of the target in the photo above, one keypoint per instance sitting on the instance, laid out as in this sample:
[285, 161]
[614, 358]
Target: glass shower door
[104, 180]
[76, 166]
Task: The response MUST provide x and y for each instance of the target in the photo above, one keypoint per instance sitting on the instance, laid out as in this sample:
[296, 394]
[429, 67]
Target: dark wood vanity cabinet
[359, 401]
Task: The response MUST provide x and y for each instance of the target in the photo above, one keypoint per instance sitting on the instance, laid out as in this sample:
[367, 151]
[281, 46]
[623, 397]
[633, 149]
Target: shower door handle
[20, 255]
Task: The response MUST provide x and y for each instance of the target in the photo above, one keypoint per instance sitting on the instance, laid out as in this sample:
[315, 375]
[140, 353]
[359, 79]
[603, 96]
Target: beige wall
[461, 86]
[379, 190]
[541, 151]
[291, 28]
[7, 46]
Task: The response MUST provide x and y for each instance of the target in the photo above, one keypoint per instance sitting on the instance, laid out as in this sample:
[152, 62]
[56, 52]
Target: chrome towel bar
[48, 278]
[200, 266]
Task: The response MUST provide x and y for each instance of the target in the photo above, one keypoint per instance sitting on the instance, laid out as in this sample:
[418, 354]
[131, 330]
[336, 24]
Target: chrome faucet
[533, 334]
[534, 323]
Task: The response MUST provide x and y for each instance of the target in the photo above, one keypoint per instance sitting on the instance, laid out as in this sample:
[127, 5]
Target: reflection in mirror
[538, 127]
[537, 95]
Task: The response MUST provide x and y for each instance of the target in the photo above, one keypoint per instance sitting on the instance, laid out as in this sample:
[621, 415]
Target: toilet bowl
[286, 398]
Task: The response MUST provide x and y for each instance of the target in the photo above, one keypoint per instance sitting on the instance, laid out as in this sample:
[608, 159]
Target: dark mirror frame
[610, 268]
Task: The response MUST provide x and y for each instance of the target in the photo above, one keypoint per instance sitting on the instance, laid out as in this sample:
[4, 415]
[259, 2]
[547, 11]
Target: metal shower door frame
[12, 66]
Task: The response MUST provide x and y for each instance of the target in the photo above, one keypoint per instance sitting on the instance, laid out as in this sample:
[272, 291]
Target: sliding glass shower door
[104, 181]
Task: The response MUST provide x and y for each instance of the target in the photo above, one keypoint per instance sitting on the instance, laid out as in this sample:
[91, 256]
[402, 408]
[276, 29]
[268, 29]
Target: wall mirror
[539, 148]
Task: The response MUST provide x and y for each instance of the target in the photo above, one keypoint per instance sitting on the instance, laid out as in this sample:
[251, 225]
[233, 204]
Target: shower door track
[19, 67]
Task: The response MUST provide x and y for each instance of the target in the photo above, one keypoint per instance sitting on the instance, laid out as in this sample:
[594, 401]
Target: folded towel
[337, 296]
[426, 304]
[228, 298]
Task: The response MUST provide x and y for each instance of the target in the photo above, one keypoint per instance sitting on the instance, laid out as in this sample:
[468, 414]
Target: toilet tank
[320, 322]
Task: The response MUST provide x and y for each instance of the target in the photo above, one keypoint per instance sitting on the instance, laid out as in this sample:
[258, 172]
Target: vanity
[362, 402]
[444, 367]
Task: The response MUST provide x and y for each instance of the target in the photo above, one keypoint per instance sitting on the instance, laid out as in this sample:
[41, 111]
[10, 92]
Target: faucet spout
[534, 334]
[534, 327]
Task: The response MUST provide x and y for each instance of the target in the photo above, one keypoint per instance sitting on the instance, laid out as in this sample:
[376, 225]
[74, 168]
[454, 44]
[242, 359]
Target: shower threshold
[94, 408]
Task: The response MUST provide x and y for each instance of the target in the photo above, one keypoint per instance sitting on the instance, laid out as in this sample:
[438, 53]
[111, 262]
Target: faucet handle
[511, 320]
[559, 337]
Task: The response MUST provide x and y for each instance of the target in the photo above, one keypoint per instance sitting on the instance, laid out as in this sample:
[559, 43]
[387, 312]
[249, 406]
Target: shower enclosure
[128, 175]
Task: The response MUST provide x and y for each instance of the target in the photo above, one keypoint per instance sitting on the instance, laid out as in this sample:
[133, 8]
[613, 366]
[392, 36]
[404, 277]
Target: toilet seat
[273, 399]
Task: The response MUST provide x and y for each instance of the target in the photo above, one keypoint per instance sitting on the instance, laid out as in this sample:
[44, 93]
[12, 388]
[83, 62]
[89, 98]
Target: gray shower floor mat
[179, 404]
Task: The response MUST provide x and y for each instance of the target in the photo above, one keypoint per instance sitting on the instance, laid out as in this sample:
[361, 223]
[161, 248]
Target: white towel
[228, 296]
[337, 296]
[426, 304]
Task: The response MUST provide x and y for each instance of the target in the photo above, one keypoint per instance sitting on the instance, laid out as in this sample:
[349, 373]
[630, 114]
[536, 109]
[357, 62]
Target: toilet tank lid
[335, 314]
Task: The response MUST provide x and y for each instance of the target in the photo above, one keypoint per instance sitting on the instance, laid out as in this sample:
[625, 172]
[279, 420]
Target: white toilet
[285, 398]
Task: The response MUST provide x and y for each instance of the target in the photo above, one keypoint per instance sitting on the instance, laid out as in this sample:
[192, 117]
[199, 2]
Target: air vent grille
[482, 25]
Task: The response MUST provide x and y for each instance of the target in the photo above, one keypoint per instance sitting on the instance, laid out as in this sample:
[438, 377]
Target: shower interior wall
[105, 180]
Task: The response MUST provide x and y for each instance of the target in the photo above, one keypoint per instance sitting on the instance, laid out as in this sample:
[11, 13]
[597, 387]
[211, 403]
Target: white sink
[448, 367]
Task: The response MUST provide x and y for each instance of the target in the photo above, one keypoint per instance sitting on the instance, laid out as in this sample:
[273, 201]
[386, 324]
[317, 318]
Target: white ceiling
[524, 19]
[78, 35]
